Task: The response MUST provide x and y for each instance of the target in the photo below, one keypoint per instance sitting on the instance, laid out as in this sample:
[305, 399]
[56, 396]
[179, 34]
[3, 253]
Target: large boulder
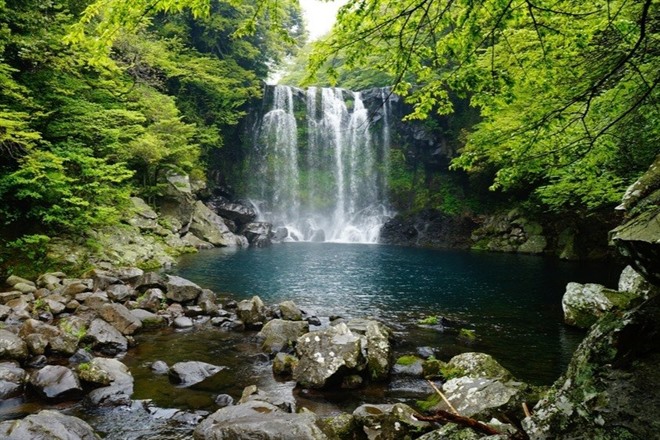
[638, 238]
[12, 347]
[121, 318]
[290, 311]
[583, 304]
[41, 337]
[181, 290]
[209, 226]
[114, 378]
[610, 389]
[178, 201]
[258, 234]
[325, 353]
[389, 422]
[478, 365]
[252, 311]
[379, 350]
[234, 211]
[47, 425]
[105, 338]
[55, 382]
[258, 420]
[280, 335]
[12, 378]
[192, 372]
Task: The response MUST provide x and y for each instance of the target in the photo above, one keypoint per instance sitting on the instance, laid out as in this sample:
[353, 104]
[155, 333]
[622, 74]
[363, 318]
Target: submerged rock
[47, 425]
[192, 372]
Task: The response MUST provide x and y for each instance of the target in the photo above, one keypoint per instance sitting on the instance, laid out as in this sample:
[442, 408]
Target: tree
[563, 86]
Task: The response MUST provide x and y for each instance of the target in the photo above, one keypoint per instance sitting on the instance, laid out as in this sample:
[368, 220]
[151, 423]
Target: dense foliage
[99, 99]
[567, 89]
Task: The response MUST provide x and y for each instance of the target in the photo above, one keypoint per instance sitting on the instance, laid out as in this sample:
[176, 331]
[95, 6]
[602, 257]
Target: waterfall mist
[319, 163]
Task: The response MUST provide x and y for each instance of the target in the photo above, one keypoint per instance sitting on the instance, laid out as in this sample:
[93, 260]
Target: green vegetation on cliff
[567, 90]
[99, 99]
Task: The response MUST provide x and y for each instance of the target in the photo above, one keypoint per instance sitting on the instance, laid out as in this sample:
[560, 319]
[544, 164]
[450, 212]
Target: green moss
[407, 360]
[432, 367]
[449, 372]
[467, 335]
[429, 403]
[429, 320]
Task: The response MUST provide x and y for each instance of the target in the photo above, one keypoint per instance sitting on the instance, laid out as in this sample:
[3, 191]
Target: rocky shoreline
[63, 338]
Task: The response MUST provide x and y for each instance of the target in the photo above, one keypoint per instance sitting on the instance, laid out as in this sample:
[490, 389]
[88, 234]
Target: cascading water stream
[319, 168]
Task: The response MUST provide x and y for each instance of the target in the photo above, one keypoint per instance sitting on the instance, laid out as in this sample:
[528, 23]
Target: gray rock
[117, 378]
[119, 292]
[120, 318]
[632, 281]
[12, 347]
[150, 280]
[477, 365]
[223, 400]
[56, 382]
[408, 366]
[24, 287]
[284, 401]
[181, 290]
[233, 211]
[584, 304]
[610, 389]
[325, 353]
[290, 311]
[129, 275]
[196, 242]
[160, 367]
[143, 209]
[379, 350]
[47, 425]
[49, 281]
[481, 397]
[209, 226]
[284, 364]
[251, 311]
[56, 307]
[4, 312]
[148, 319]
[258, 420]
[279, 335]
[183, 322]
[192, 372]
[12, 378]
[5, 297]
[389, 422]
[151, 300]
[105, 338]
[14, 280]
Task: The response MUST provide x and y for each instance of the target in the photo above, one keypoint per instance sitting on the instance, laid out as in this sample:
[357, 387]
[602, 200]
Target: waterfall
[319, 165]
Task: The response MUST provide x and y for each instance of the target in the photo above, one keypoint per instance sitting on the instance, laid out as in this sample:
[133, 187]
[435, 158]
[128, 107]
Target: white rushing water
[320, 166]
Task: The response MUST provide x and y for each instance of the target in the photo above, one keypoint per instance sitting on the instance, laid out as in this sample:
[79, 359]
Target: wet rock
[452, 431]
[148, 319]
[56, 382]
[313, 320]
[112, 373]
[182, 322]
[389, 422]
[284, 364]
[408, 366]
[425, 352]
[632, 281]
[482, 397]
[279, 335]
[196, 242]
[609, 390]
[324, 353]
[583, 304]
[120, 318]
[105, 338]
[160, 367]
[223, 400]
[351, 382]
[12, 347]
[4, 312]
[181, 290]
[342, 427]
[290, 311]
[96, 300]
[285, 402]
[47, 425]
[252, 312]
[12, 378]
[192, 372]
[81, 356]
[256, 419]
[379, 351]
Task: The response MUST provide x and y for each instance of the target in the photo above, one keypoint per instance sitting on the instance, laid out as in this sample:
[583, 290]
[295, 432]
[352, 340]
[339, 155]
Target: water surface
[512, 301]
